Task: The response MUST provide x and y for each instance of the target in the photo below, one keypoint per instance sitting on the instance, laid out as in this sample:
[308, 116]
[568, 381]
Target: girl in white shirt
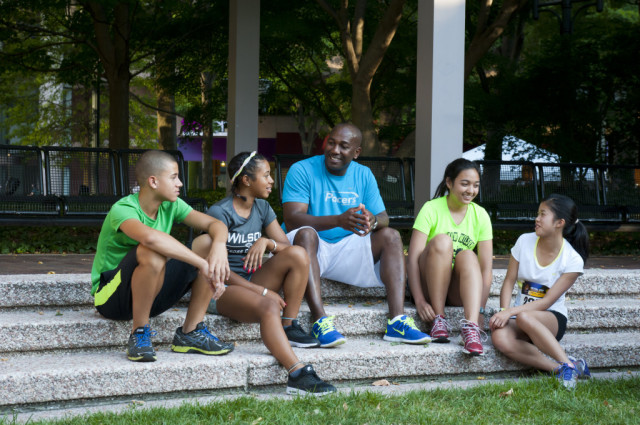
[544, 265]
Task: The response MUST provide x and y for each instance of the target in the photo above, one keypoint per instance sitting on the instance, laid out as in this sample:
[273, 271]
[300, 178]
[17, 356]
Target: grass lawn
[531, 401]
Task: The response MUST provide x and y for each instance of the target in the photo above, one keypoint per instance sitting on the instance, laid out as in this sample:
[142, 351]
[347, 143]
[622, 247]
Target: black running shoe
[309, 383]
[298, 337]
[199, 340]
[140, 348]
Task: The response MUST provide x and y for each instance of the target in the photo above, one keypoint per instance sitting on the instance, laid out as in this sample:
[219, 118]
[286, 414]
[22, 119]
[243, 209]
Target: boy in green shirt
[140, 270]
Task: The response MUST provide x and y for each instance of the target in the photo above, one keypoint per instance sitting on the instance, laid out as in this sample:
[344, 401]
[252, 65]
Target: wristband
[481, 310]
[501, 309]
[275, 246]
[264, 292]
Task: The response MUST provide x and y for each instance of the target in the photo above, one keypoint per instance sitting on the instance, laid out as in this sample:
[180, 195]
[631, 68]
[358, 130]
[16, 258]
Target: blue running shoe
[404, 329]
[567, 375]
[582, 368]
[139, 348]
[325, 331]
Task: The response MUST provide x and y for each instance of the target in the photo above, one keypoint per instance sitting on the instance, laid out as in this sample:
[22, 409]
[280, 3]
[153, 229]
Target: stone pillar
[440, 92]
[244, 51]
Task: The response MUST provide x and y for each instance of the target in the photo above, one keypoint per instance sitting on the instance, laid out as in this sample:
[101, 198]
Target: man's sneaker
[307, 382]
[440, 329]
[471, 335]
[567, 375]
[298, 337]
[581, 367]
[199, 340]
[140, 348]
[404, 329]
[325, 331]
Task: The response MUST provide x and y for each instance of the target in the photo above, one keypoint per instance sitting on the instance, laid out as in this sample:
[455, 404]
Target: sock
[396, 318]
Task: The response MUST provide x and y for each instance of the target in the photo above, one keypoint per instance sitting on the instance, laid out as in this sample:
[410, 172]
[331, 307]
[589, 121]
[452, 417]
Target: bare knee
[307, 238]
[468, 258]
[151, 259]
[525, 321]
[297, 255]
[389, 237]
[501, 340]
[202, 245]
[441, 245]
[267, 307]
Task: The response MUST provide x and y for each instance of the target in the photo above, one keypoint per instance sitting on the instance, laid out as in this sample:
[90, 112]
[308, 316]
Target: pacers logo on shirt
[342, 198]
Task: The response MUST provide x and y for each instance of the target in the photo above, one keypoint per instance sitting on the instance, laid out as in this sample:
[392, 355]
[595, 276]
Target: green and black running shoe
[201, 341]
[140, 348]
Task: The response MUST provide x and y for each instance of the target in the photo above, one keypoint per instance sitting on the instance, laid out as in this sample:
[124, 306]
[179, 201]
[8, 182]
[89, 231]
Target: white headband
[246, 161]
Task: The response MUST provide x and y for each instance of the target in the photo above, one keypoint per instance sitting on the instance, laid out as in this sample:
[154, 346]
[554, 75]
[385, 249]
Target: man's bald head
[152, 163]
[349, 131]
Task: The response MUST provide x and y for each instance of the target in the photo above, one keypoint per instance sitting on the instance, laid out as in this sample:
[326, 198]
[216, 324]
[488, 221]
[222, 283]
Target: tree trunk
[362, 117]
[113, 49]
[81, 116]
[206, 79]
[167, 139]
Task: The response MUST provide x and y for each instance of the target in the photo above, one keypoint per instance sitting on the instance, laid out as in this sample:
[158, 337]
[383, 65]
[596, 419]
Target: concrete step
[74, 289]
[42, 378]
[83, 328]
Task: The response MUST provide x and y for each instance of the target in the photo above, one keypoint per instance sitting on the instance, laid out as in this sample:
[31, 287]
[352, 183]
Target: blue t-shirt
[243, 232]
[309, 182]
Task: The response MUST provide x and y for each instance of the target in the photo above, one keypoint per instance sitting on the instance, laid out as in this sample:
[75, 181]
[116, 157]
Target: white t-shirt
[534, 281]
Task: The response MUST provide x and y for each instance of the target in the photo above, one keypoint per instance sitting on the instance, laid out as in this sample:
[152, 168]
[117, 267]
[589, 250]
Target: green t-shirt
[435, 218]
[113, 244]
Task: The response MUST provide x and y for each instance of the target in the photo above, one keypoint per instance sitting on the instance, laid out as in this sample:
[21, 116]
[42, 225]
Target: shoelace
[327, 325]
[409, 322]
[440, 323]
[144, 339]
[566, 371]
[205, 332]
[472, 332]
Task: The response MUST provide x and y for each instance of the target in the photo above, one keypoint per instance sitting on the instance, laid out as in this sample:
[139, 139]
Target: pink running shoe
[440, 329]
[471, 337]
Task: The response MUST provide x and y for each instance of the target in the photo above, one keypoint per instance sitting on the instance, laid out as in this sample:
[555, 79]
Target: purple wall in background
[192, 149]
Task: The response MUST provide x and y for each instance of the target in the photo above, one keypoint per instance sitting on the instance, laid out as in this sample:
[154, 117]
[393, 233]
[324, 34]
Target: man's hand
[356, 220]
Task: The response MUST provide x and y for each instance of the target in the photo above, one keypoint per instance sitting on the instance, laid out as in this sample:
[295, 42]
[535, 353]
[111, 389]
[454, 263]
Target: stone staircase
[57, 349]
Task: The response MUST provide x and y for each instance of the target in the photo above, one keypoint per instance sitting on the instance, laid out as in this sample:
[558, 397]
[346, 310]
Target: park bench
[69, 185]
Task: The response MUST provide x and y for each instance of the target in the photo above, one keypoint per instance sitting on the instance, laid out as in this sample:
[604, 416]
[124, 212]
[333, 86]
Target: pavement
[81, 263]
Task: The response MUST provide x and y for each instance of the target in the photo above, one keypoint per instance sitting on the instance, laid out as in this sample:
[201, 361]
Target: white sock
[397, 317]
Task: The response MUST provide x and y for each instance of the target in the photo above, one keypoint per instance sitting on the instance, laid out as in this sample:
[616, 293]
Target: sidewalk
[81, 263]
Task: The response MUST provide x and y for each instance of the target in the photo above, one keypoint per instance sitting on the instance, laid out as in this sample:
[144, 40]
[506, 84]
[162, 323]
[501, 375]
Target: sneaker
[298, 337]
[440, 329]
[140, 348]
[471, 337]
[567, 374]
[405, 330]
[307, 382]
[199, 340]
[325, 331]
[581, 367]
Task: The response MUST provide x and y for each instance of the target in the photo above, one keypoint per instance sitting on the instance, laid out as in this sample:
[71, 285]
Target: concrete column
[244, 51]
[440, 92]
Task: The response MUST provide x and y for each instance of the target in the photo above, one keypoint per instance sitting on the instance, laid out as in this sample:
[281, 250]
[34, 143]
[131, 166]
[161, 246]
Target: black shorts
[562, 324]
[113, 297]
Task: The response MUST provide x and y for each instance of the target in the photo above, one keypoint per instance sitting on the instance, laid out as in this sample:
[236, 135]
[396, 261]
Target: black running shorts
[113, 297]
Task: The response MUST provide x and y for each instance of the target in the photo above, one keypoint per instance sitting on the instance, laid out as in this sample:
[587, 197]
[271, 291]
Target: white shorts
[348, 261]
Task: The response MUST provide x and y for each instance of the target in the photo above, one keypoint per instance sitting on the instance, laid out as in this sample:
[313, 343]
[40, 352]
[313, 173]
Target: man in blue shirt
[337, 214]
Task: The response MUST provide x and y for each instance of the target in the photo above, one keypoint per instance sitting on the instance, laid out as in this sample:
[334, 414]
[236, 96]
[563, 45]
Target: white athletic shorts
[348, 261]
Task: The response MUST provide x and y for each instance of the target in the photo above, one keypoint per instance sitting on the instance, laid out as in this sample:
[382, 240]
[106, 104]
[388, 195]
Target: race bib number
[531, 291]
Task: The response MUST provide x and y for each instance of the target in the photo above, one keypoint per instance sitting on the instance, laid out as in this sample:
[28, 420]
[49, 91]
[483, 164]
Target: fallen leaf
[606, 403]
[345, 406]
[381, 383]
[350, 305]
[378, 406]
[41, 313]
[58, 313]
[395, 383]
[4, 359]
[40, 262]
[51, 272]
[137, 402]
[481, 378]
[316, 412]
[256, 421]
[507, 393]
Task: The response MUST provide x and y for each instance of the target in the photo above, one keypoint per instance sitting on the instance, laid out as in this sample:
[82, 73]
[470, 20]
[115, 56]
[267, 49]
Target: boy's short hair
[152, 163]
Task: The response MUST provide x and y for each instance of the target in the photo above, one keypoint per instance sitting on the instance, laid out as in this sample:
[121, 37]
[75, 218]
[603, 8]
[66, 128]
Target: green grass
[533, 401]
